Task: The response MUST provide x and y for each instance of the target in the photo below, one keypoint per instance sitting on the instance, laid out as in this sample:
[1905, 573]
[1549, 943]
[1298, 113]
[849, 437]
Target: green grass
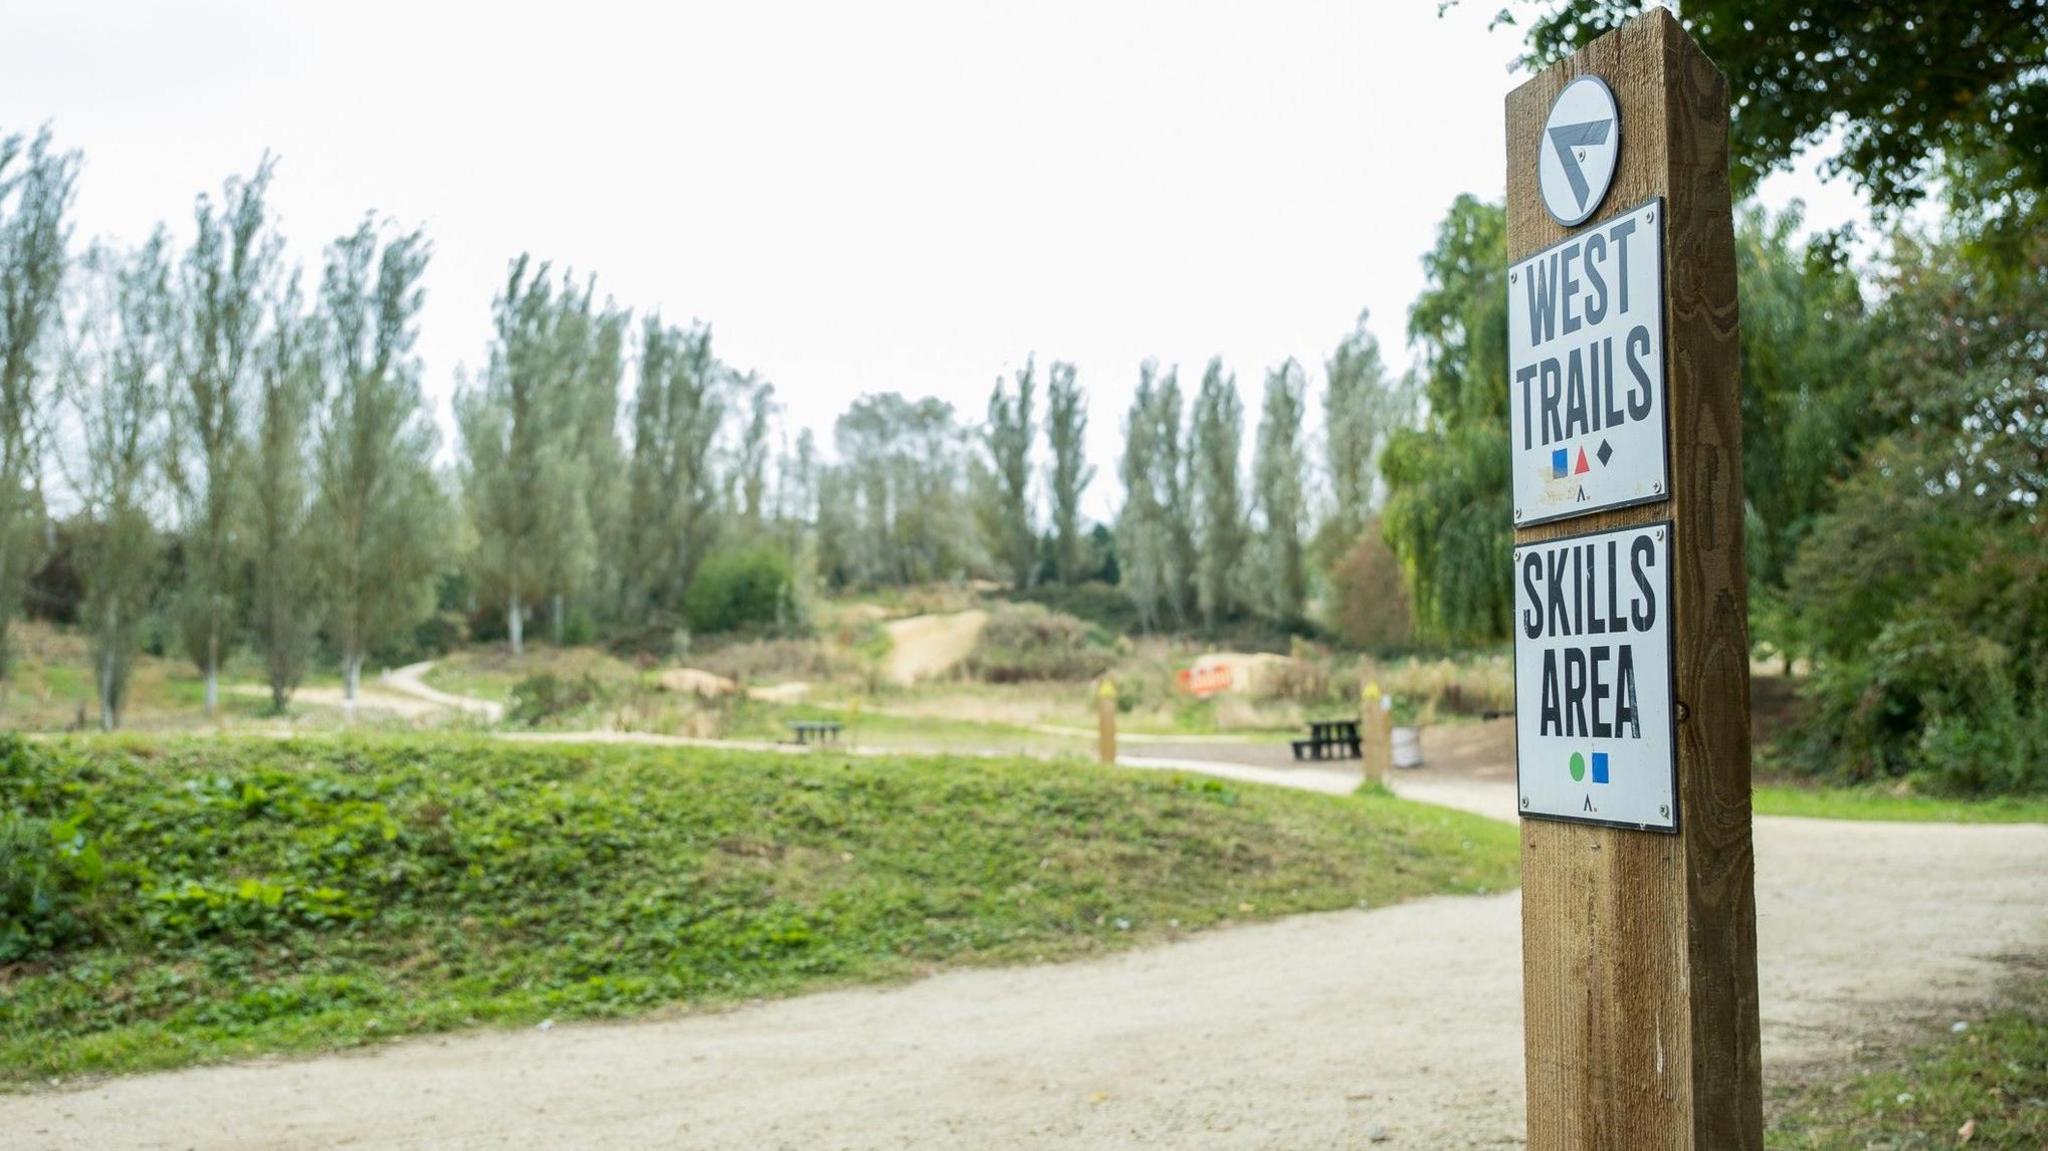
[181, 900]
[1993, 1075]
[1871, 803]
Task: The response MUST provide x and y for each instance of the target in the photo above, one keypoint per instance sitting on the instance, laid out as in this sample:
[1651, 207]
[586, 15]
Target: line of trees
[242, 459]
[225, 454]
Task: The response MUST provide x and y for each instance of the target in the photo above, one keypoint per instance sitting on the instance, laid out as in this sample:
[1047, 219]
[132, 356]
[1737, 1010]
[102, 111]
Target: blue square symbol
[1560, 463]
[1599, 767]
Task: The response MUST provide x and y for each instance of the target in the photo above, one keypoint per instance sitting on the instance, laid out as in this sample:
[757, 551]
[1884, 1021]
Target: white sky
[858, 197]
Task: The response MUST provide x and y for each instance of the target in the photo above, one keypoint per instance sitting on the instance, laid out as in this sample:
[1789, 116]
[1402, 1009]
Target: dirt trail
[370, 697]
[927, 645]
[411, 679]
[1313, 1031]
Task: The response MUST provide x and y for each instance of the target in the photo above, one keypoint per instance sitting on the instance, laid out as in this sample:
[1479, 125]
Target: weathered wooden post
[1376, 734]
[1105, 721]
[1631, 660]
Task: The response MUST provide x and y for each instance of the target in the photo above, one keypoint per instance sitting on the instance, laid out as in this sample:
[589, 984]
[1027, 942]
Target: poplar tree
[1141, 534]
[596, 338]
[1007, 520]
[1282, 581]
[522, 478]
[286, 578]
[1066, 433]
[225, 280]
[117, 381]
[1359, 408]
[1175, 486]
[752, 472]
[678, 409]
[382, 513]
[36, 186]
[1218, 436]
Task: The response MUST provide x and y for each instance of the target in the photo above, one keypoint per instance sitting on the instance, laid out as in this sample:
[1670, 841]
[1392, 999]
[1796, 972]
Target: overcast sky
[858, 197]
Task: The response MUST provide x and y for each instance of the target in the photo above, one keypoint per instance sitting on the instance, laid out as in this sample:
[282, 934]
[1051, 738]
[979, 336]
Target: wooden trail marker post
[1105, 722]
[1376, 734]
[1632, 647]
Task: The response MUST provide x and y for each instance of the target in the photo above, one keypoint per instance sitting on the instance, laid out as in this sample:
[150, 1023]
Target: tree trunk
[515, 626]
[351, 678]
[107, 677]
[558, 626]
[212, 669]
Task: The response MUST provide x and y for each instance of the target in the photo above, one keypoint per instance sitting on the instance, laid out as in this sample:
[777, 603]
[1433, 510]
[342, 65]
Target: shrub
[1369, 597]
[779, 659]
[539, 698]
[1928, 699]
[48, 873]
[739, 587]
[1025, 642]
[1104, 605]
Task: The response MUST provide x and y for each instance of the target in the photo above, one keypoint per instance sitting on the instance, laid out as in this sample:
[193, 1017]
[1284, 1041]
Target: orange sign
[1206, 681]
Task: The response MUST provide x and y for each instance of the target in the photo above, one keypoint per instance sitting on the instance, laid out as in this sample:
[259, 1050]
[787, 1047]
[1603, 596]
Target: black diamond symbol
[1606, 451]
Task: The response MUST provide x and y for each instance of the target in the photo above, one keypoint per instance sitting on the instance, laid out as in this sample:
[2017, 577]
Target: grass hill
[173, 900]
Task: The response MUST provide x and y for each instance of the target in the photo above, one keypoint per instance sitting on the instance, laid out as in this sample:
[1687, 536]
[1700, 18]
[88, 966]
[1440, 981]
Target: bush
[737, 588]
[1106, 606]
[775, 659]
[1369, 597]
[539, 698]
[1931, 701]
[1024, 642]
[48, 872]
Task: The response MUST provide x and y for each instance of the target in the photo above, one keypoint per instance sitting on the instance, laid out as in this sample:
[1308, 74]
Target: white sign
[1586, 370]
[1594, 737]
[1581, 144]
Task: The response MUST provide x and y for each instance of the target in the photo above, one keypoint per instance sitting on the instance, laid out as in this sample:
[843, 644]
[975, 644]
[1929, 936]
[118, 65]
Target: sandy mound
[789, 692]
[694, 681]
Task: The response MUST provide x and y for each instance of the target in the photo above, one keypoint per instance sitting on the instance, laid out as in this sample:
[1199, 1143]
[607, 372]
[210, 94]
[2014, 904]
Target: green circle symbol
[1578, 767]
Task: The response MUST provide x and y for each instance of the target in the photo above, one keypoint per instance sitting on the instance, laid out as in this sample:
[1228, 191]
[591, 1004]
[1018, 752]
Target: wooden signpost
[1632, 660]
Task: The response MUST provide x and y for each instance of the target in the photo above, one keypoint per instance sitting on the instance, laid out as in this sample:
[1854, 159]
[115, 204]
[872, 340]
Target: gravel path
[1315, 1031]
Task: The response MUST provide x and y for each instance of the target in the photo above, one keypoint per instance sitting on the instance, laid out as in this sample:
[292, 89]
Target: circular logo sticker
[1581, 142]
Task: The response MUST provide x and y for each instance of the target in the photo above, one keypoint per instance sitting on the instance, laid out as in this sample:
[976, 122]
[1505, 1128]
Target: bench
[1330, 739]
[811, 731]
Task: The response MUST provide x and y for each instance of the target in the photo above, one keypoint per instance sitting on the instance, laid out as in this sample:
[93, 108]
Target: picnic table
[1330, 739]
[809, 731]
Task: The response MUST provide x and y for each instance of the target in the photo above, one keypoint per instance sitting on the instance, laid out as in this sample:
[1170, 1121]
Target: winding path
[412, 680]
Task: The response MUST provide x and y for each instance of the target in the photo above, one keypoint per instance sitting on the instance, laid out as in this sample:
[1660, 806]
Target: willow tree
[116, 380]
[383, 516]
[225, 281]
[1449, 513]
[36, 186]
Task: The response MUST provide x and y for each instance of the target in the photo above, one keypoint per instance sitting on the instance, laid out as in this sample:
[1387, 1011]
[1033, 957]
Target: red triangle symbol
[1583, 467]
